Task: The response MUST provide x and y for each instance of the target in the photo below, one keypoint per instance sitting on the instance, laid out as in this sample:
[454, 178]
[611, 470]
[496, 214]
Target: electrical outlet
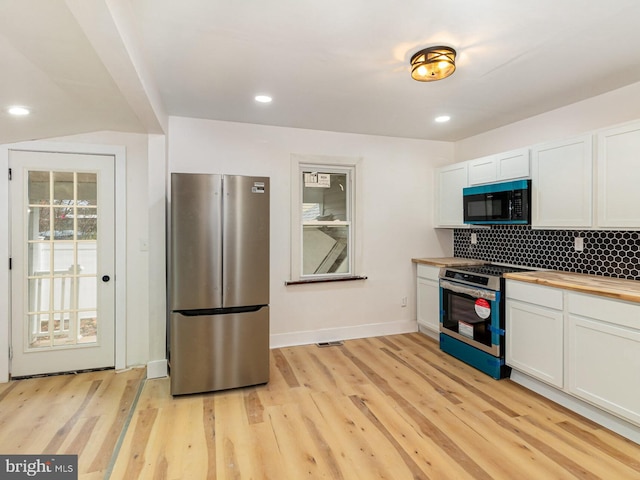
[474, 239]
[578, 244]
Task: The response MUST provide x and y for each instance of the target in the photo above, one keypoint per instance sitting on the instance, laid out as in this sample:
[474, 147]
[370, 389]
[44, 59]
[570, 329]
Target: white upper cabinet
[450, 181]
[483, 170]
[514, 164]
[496, 168]
[561, 178]
[618, 177]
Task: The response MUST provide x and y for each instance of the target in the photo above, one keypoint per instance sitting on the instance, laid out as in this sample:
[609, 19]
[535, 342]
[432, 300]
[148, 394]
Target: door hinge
[10, 263]
[10, 352]
[9, 174]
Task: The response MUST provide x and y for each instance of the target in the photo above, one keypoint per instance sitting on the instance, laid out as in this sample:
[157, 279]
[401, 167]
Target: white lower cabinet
[586, 346]
[604, 354]
[535, 332]
[428, 295]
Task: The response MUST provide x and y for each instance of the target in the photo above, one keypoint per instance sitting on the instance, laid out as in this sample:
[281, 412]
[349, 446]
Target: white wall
[612, 108]
[397, 210]
[140, 295]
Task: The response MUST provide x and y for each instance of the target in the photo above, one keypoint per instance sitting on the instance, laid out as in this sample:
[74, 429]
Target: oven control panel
[467, 277]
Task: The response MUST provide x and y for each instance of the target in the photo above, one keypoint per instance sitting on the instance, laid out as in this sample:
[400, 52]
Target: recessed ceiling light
[263, 98]
[18, 110]
[443, 118]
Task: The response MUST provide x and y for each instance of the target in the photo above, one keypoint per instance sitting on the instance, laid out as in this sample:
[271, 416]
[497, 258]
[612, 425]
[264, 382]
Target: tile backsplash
[609, 253]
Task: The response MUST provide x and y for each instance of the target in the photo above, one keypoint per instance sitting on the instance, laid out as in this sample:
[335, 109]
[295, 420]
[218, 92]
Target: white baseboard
[618, 425]
[342, 333]
[157, 369]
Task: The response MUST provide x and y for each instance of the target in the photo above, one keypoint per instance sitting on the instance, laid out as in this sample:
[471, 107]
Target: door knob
[106, 278]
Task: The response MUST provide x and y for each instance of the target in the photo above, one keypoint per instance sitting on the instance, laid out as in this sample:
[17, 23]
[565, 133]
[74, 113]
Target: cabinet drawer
[428, 271]
[536, 294]
[616, 312]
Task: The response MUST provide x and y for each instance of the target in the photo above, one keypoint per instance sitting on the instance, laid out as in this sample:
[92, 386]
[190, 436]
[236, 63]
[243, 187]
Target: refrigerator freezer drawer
[218, 352]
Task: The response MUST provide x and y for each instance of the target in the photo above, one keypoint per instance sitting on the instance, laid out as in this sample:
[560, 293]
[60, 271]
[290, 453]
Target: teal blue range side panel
[492, 366]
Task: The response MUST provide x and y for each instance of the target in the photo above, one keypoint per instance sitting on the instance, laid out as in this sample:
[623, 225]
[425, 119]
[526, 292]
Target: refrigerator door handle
[219, 311]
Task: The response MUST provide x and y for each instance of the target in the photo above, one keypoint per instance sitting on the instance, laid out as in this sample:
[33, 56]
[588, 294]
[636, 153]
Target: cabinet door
[534, 341]
[428, 307]
[451, 180]
[512, 165]
[604, 366]
[561, 176]
[482, 170]
[619, 177]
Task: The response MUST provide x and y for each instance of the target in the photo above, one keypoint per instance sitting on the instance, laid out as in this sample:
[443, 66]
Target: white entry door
[63, 262]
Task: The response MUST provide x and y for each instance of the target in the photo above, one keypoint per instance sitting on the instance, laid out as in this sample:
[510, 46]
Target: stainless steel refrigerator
[218, 282]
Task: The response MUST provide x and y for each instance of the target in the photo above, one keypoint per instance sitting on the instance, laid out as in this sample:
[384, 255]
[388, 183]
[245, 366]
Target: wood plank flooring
[81, 414]
[390, 407]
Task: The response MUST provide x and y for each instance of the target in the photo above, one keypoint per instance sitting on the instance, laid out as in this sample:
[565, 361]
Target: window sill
[324, 280]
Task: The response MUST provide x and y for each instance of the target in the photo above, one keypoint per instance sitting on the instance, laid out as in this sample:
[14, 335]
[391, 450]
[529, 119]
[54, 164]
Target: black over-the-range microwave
[498, 203]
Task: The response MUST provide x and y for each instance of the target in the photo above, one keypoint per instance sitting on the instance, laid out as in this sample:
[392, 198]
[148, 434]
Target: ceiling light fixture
[442, 118]
[433, 63]
[263, 98]
[18, 110]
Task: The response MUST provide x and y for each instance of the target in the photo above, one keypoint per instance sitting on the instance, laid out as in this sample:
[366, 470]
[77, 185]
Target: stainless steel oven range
[472, 316]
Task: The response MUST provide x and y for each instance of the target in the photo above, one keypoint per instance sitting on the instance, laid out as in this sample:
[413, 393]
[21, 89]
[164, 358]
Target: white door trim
[119, 152]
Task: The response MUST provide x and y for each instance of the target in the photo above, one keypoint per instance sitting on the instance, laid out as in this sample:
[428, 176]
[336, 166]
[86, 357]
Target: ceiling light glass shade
[433, 63]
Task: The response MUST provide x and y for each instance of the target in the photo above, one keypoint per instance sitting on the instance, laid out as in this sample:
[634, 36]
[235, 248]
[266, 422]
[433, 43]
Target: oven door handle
[473, 292]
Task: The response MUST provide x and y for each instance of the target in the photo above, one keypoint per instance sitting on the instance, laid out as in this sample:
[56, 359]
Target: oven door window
[467, 316]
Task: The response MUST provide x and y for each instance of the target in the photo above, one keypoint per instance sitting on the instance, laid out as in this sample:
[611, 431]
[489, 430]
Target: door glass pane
[62, 328]
[63, 188]
[38, 330]
[39, 188]
[86, 292]
[88, 327]
[87, 223]
[38, 223]
[39, 254]
[87, 189]
[62, 291]
[63, 223]
[87, 258]
[63, 261]
[39, 294]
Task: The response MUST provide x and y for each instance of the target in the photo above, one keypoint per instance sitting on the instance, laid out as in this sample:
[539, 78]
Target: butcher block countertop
[617, 288]
[448, 261]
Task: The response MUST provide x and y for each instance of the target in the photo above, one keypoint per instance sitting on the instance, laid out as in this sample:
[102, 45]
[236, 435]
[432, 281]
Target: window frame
[326, 164]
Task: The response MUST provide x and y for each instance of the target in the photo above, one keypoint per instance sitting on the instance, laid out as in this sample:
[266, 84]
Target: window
[323, 227]
[326, 221]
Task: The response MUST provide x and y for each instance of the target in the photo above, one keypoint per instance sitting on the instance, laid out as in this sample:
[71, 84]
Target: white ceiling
[338, 65]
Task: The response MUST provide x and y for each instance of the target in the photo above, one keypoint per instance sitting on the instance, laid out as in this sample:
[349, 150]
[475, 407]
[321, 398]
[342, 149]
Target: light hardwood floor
[389, 407]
